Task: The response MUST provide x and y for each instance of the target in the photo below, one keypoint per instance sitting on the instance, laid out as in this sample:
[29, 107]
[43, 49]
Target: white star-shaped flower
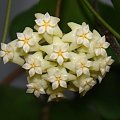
[84, 84]
[46, 23]
[26, 40]
[83, 35]
[82, 66]
[6, 52]
[79, 64]
[100, 45]
[105, 64]
[36, 85]
[60, 53]
[36, 64]
[33, 65]
[58, 50]
[58, 77]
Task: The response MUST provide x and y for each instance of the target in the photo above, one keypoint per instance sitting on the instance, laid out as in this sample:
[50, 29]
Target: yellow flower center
[83, 36]
[26, 41]
[6, 51]
[33, 65]
[58, 79]
[46, 24]
[60, 53]
[82, 65]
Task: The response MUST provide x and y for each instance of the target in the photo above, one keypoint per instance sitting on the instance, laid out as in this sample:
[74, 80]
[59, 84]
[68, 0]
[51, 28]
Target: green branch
[101, 19]
[5, 30]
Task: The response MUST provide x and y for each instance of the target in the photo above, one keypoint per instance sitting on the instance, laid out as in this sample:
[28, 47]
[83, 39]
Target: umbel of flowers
[74, 61]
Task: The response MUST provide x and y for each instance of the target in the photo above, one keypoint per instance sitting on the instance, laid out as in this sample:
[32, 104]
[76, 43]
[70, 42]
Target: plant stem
[5, 30]
[58, 8]
[101, 19]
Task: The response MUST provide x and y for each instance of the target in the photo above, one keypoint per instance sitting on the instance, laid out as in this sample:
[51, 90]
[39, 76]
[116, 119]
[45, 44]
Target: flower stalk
[5, 30]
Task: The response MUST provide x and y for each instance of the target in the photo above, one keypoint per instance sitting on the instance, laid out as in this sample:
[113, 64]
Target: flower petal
[39, 22]
[79, 40]
[20, 44]
[85, 29]
[3, 46]
[32, 72]
[53, 56]
[86, 42]
[86, 71]
[50, 30]
[63, 84]
[5, 59]
[65, 55]
[38, 70]
[28, 33]
[26, 48]
[64, 48]
[60, 60]
[97, 52]
[52, 79]
[106, 45]
[47, 17]
[56, 48]
[89, 35]
[26, 66]
[10, 55]
[55, 85]
[41, 30]
[2, 53]
[30, 91]
[20, 36]
[53, 22]
[31, 42]
[36, 93]
[103, 52]
[79, 72]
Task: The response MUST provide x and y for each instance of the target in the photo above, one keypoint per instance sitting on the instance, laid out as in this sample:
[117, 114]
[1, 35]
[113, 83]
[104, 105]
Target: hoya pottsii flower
[58, 50]
[100, 45]
[60, 53]
[83, 35]
[6, 52]
[84, 84]
[47, 26]
[36, 85]
[58, 77]
[27, 39]
[36, 64]
[33, 65]
[79, 64]
[82, 66]
[79, 36]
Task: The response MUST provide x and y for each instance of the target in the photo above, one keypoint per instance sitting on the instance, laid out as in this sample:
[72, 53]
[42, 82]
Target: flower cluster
[74, 61]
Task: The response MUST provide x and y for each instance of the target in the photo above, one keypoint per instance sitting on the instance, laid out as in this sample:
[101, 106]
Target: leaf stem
[117, 35]
[5, 30]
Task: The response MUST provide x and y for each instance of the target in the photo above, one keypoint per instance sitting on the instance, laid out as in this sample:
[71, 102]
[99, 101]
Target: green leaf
[116, 4]
[15, 104]
[109, 15]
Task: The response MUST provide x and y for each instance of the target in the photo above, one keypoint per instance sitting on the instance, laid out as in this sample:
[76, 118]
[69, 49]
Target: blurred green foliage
[101, 103]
